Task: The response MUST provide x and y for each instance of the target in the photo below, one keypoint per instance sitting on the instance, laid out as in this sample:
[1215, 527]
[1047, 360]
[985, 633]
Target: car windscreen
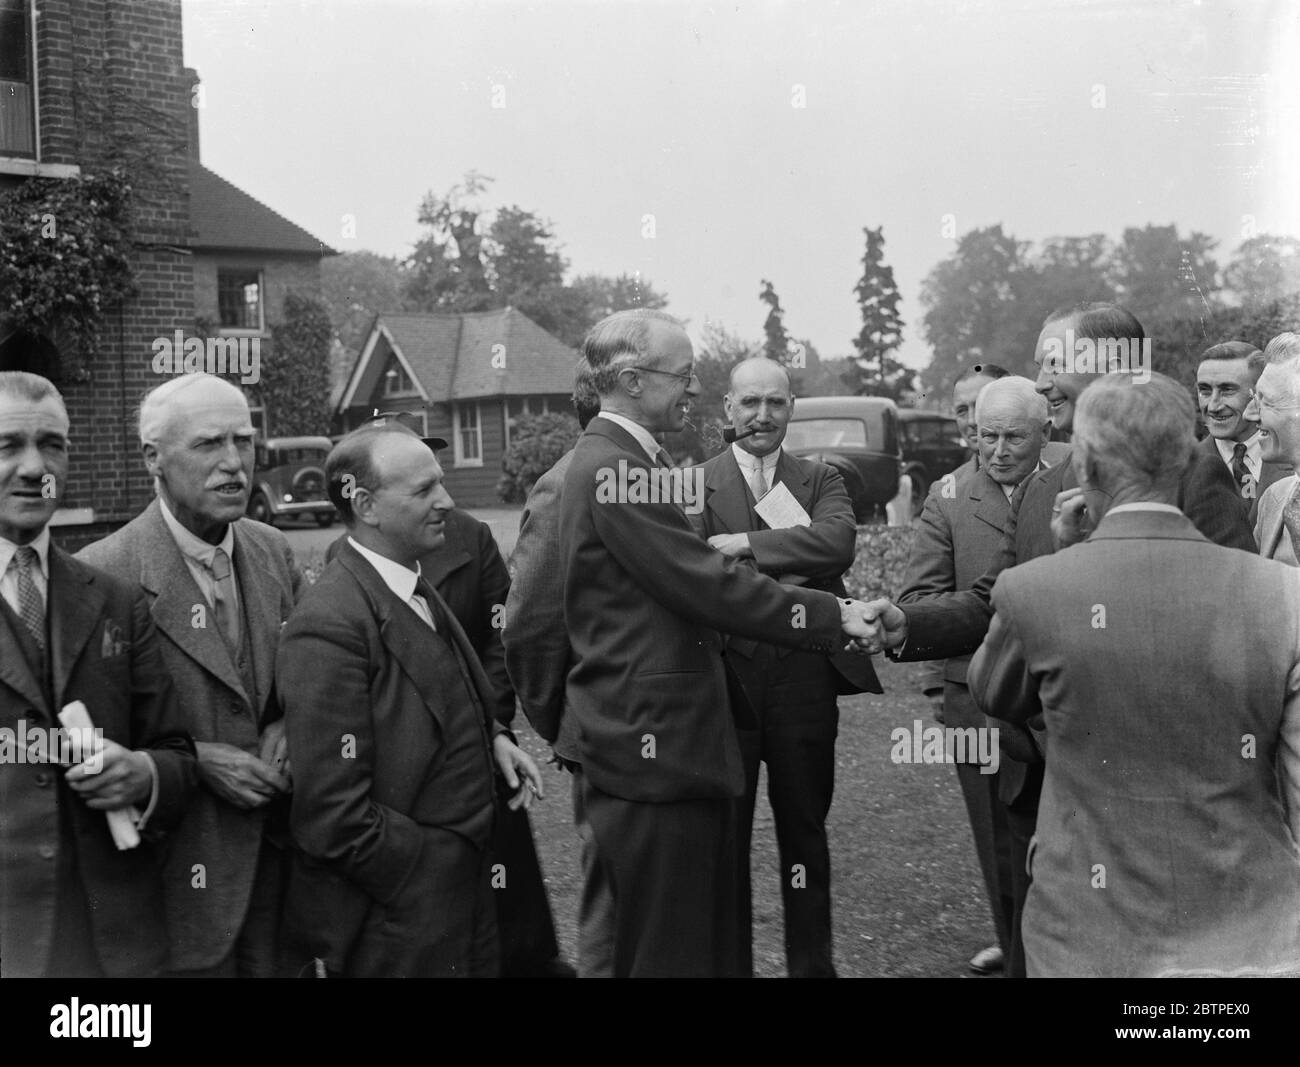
[301, 455]
[813, 434]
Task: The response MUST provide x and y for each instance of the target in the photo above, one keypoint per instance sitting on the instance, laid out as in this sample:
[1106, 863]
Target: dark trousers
[596, 900]
[524, 919]
[988, 817]
[1022, 817]
[794, 700]
[671, 873]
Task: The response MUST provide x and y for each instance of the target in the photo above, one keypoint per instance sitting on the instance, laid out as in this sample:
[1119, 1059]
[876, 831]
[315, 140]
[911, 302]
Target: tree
[874, 371]
[295, 381]
[446, 269]
[355, 287]
[777, 343]
[974, 308]
[718, 351]
[1264, 269]
[536, 443]
[1158, 275]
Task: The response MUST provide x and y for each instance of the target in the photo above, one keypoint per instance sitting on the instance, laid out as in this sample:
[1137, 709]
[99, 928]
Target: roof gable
[225, 217]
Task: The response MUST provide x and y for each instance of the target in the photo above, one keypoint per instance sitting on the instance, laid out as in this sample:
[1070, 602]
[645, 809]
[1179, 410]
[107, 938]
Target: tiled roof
[452, 355]
[226, 217]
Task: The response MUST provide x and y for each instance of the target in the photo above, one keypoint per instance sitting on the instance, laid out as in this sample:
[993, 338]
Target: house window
[239, 299]
[396, 381]
[468, 434]
[17, 81]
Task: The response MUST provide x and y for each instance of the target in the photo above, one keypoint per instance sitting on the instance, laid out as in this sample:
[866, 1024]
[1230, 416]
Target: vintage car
[932, 446]
[859, 437]
[289, 480]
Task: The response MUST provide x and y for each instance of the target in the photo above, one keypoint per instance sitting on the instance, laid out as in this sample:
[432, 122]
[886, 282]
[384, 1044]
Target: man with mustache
[219, 588]
[1225, 382]
[793, 693]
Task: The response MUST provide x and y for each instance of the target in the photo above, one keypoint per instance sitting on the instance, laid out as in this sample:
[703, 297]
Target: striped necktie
[1241, 473]
[225, 604]
[31, 606]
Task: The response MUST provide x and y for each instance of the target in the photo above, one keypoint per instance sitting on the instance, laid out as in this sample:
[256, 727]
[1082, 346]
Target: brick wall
[113, 91]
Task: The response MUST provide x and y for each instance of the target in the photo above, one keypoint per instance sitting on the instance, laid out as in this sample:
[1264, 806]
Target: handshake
[873, 626]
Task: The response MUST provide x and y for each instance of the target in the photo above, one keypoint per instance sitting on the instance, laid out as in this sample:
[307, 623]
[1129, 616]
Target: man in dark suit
[648, 720]
[1225, 382]
[219, 587]
[792, 693]
[74, 904]
[957, 536]
[469, 574]
[1162, 848]
[392, 737]
[1047, 510]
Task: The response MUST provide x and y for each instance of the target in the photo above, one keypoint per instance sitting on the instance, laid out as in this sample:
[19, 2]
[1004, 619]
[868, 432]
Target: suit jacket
[471, 577]
[1270, 529]
[644, 599]
[103, 651]
[1269, 474]
[354, 670]
[1162, 847]
[224, 839]
[955, 623]
[814, 557]
[536, 642]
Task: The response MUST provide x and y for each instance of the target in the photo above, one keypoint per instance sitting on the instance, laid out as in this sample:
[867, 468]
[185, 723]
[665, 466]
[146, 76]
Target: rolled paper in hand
[121, 823]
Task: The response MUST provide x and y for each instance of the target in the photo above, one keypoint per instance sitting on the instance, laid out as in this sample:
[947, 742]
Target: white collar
[193, 546]
[643, 436]
[1143, 505]
[1254, 461]
[750, 462]
[398, 577]
[42, 545]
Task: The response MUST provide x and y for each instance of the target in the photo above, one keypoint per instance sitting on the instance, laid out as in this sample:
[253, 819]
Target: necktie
[425, 591]
[662, 460]
[31, 607]
[757, 483]
[224, 602]
[1291, 518]
[1241, 473]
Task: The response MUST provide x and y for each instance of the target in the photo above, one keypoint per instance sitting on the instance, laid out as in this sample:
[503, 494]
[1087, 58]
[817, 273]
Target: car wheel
[324, 521]
[260, 510]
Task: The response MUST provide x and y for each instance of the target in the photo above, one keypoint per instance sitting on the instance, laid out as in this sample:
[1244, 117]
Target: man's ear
[630, 386]
[363, 506]
[150, 452]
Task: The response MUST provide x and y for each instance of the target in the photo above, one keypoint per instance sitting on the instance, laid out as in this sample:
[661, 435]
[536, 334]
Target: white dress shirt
[40, 576]
[750, 464]
[400, 579]
[198, 555]
[1253, 457]
[643, 436]
[1143, 505]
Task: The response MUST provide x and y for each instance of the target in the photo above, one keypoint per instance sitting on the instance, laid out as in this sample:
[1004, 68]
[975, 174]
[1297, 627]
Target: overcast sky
[1051, 117]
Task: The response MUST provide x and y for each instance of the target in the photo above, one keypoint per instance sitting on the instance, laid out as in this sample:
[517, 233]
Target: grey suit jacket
[538, 656]
[217, 844]
[1269, 526]
[1162, 845]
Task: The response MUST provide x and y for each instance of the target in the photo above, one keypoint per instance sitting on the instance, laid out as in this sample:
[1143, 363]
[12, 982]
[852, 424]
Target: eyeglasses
[687, 378]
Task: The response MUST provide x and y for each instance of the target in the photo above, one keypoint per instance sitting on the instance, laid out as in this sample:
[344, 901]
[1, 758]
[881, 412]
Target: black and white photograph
[650, 489]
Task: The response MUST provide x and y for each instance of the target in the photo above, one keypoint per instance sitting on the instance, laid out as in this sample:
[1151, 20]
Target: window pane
[14, 60]
[826, 433]
[239, 299]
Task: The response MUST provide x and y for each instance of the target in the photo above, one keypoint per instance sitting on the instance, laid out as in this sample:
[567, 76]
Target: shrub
[536, 444]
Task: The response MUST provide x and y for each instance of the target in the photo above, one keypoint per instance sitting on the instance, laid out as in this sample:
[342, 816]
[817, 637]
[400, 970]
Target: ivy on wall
[65, 260]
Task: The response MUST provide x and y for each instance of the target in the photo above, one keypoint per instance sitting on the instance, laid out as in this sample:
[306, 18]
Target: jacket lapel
[174, 595]
[794, 477]
[15, 671]
[75, 613]
[435, 566]
[260, 590]
[991, 504]
[726, 495]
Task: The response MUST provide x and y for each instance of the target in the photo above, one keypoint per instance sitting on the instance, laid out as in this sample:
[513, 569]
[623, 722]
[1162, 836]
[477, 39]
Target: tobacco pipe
[730, 435]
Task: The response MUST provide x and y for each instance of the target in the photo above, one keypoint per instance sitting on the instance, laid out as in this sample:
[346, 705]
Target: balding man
[793, 693]
[1166, 836]
[219, 587]
[1225, 382]
[958, 536]
[73, 902]
[648, 722]
[392, 737]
